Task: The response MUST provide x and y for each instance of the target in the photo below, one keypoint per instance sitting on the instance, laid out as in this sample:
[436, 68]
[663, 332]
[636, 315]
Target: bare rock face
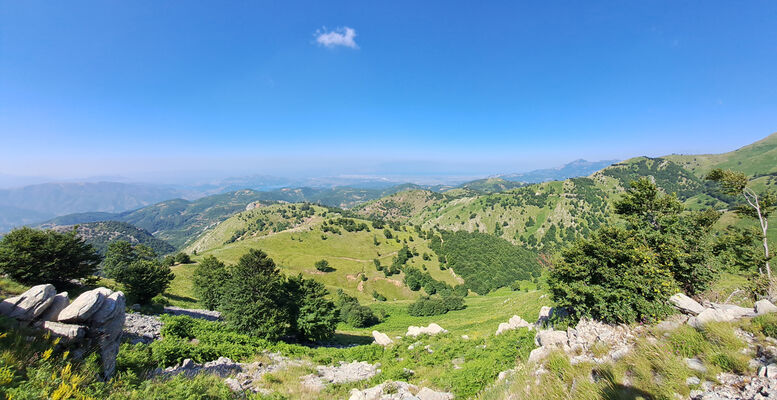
[764, 307]
[82, 307]
[343, 373]
[381, 338]
[68, 332]
[58, 303]
[432, 329]
[686, 304]
[550, 338]
[33, 302]
[8, 305]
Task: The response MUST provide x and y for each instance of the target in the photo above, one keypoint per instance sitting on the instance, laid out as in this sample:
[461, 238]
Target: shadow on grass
[176, 297]
[350, 339]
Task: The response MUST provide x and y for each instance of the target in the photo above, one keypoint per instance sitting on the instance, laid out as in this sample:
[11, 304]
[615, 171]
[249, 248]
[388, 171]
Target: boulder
[381, 338]
[82, 307]
[58, 303]
[431, 330]
[550, 337]
[35, 300]
[686, 304]
[734, 312]
[111, 306]
[764, 307]
[545, 314]
[8, 305]
[539, 354]
[69, 332]
[386, 390]
[429, 394]
[514, 323]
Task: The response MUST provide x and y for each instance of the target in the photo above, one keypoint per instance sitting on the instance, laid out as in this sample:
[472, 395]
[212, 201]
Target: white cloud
[338, 37]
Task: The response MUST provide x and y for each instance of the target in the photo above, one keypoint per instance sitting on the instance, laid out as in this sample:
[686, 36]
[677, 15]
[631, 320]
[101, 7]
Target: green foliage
[681, 241]
[427, 306]
[485, 262]
[33, 257]
[143, 279]
[183, 258]
[377, 296]
[353, 313]
[209, 277]
[315, 316]
[255, 299]
[102, 233]
[765, 324]
[415, 280]
[613, 277]
[323, 266]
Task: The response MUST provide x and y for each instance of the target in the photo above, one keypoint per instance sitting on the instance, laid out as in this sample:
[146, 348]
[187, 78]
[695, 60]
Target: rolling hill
[100, 234]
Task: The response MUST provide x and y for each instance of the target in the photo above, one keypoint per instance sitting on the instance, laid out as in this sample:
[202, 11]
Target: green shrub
[143, 280]
[209, 277]
[32, 257]
[377, 296]
[427, 306]
[323, 266]
[183, 258]
[612, 277]
[314, 315]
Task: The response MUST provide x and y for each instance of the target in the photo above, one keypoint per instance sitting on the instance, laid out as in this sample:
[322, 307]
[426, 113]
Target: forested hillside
[101, 234]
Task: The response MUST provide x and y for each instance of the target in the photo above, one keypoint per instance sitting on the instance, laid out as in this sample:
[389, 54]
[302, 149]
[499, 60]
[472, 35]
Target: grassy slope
[297, 248]
[754, 159]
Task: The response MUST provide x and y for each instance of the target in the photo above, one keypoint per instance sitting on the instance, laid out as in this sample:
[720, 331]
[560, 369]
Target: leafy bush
[353, 313]
[143, 280]
[613, 277]
[323, 266]
[32, 257]
[427, 306]
[209, 277]
[377, 296]
[315, 316]
[183, 258]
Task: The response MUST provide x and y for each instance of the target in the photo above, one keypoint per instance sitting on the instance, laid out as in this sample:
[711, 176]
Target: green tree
[255, 299]
[209, 277]
[757, 205]
[31, 256]
[314, 315]
[121, 253]
[323, 266]
[680, 240]
[183, 258]
[144, 279]
[613, 277]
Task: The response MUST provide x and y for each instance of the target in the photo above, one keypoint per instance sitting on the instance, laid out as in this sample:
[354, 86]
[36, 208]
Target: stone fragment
[432, 329]
[58, 303]
[764, 307]
[686, 304]
[551, 338]
[429, 394]
[69, 332]
[514, 323]
[32, 301]
[82, 307]
[696, 365]
[381, 338]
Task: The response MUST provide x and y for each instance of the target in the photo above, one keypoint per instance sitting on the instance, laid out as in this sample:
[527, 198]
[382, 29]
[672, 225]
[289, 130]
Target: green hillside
[100, 234]
[298, 235]
[757, 159]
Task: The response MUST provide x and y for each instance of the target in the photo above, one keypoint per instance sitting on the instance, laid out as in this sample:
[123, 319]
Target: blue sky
[159, 88]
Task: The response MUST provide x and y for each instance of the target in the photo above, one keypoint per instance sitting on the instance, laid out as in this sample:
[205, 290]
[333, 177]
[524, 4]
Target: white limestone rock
[432, 329]
[686, 304]
[764, 307]
[381, 338]
[58, 303]
[33, 302]
[82, 307]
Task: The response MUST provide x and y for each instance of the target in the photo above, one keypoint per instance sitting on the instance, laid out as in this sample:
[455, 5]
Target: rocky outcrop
[93, 321]
[344, 373]
[140, 328]
[398, 390]
[432, 329]
[589, 341]
[514, 323]
[764, 307]
[381, 338]
[686, 304]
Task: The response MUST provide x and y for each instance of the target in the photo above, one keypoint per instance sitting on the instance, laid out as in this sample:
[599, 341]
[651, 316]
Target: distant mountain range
[574, 169]
[40, 202]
